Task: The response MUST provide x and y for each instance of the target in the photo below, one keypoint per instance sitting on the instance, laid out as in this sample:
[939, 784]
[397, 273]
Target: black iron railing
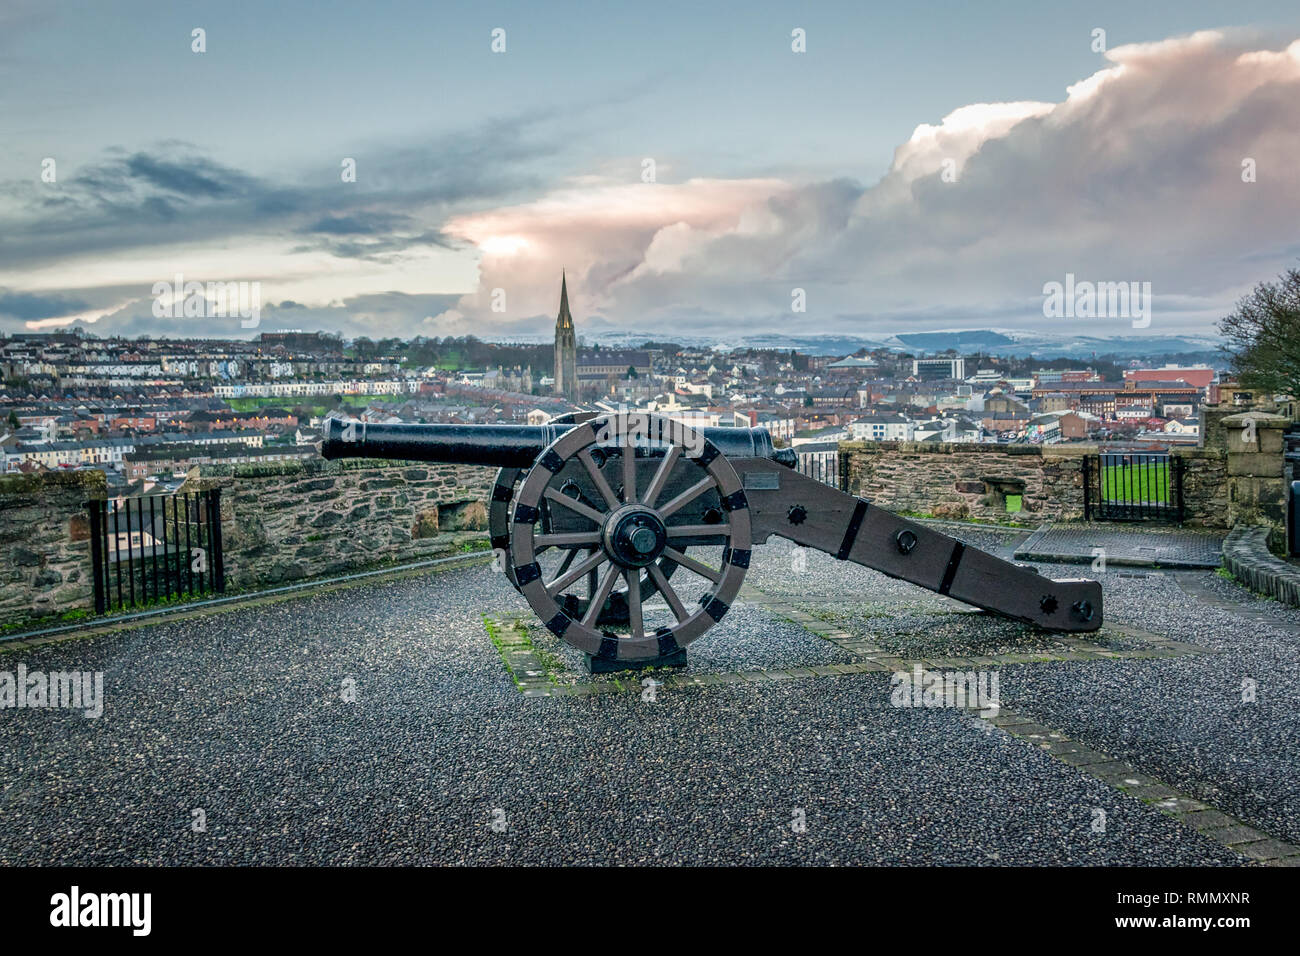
[1133, 486]
[821, 466]
[155, 549]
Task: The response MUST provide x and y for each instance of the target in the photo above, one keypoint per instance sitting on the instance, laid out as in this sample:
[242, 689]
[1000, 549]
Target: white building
[929, 369]
[305, 389]
[882, 428]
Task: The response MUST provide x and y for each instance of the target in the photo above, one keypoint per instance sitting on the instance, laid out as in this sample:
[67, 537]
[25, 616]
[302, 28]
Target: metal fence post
[1087, 481]
[217, 561]
[98, 567]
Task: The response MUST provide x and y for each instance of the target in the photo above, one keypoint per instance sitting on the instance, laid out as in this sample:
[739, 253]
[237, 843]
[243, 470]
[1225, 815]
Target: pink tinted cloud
[1135, 175]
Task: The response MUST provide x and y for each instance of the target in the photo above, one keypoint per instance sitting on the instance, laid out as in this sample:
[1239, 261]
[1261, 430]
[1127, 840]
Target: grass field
[317, 407]
[1147, 482]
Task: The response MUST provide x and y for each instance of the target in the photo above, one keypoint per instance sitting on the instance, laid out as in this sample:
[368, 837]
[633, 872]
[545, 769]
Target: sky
[914, 166]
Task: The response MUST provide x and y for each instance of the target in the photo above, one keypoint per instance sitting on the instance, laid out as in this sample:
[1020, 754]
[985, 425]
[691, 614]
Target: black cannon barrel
[499, 446]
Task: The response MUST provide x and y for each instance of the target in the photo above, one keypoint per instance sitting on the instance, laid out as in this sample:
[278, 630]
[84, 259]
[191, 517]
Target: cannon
[593, 517]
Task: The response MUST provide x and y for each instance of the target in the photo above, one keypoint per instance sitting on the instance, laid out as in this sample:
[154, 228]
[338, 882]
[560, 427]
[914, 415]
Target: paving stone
[1147, 547]
[1083, 758]
[1030, 730]
[1134, 779]
[1206, 819]
[1149, 792]
[1021, 729]
[1007, 720]
[1236, 833]
[1113, 772]
[1265, 850]
[1180, 804]
[1062, 747]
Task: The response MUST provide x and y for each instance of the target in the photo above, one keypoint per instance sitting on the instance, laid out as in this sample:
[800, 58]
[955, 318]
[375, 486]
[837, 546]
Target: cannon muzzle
[501, 446]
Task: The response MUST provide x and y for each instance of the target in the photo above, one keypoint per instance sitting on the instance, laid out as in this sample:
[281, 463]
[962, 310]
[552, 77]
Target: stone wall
[286, 521]
[969, 480]
[45, 544]
[1206, 487]
[1246, 556]
[962, 480]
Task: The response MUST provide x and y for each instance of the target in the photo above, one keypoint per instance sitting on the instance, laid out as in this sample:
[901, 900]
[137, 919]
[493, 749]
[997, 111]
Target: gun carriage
[594, 517]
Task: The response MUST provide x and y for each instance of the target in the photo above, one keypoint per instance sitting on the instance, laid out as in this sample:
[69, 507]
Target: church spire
[564, 320]
[566, 348]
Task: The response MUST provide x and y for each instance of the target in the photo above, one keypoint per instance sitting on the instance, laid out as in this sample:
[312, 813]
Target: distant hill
[966, 341]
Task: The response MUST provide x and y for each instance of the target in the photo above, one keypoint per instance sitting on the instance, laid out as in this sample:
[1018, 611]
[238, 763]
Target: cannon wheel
[633, 532]
[503, 493]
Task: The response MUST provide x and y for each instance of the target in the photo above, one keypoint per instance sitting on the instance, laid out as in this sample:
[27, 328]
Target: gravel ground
[239, 714]
[1184, 720]
[1229, 592]
[819, 578]
[901, 617]
[748, 638]
[918, 631]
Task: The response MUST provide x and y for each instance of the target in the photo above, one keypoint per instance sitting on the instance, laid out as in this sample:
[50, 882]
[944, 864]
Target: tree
[1263, 335]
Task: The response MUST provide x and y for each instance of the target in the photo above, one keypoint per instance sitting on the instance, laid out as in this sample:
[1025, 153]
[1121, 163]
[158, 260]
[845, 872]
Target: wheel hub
[635, 536]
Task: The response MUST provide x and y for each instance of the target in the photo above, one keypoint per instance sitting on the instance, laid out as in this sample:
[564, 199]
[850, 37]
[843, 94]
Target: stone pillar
[45, 543]
[1212, 431]
[1256, 482]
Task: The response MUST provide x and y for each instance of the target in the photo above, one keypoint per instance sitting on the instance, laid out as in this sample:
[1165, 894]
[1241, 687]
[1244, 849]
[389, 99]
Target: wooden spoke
[687, 496]
[565, 577]
[629, 471]
[635, 618]
[701, 569]
[700, 531]
[577, 539]
[661, 475]
[598, 479]
[602, 594]
[661, 582]
[573, 504]
[568, 560]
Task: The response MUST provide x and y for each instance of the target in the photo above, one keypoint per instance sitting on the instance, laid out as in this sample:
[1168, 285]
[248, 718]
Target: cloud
[147, 203]
[29, 306]
[1135, 175]
[190, 177]
[379, 315]
[361, 223]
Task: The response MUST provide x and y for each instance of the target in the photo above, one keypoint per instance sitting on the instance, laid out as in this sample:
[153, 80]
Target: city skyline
[882, 171]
